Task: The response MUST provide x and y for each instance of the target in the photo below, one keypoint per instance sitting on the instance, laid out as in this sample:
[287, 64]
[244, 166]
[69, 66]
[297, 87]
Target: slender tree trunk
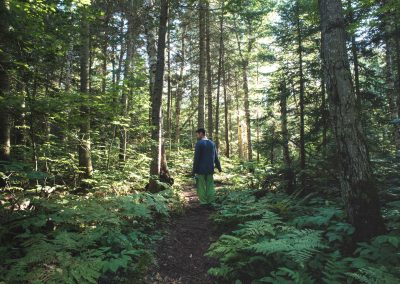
[301, 103]
[19, 121]
[121, 53]
[169, 90]
[287, 161]
[219, 75]
[85, 160]
[202, 63]
[5, 135]
[324, 114]
[258, 136]
[179, 92]
[247, 110]
[210, 122]
[245, 66]
[104, 51]
[156, 100]
[151, 46]
[357, 184]
[123, 139]
[239, 127]
[226, 107]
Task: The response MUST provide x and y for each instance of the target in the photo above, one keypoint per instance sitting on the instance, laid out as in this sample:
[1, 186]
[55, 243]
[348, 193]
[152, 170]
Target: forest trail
[180, 255]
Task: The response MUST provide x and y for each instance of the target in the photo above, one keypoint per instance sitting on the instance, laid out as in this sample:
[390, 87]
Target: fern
[286, 275]
[297, 245]
[373, 275]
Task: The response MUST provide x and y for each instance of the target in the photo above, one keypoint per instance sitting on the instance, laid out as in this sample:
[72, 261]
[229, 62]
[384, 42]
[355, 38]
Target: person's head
[200, 133]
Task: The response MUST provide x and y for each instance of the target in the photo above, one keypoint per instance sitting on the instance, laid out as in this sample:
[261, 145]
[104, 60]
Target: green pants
[205, 188]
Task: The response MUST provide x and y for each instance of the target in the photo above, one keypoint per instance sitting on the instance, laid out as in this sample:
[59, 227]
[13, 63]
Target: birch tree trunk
[156, 100]
[357, 184]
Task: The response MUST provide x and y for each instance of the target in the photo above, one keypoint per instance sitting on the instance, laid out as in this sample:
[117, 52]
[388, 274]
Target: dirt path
[180, 254]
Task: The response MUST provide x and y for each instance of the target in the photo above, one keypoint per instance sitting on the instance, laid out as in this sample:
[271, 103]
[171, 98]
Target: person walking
[204, 162]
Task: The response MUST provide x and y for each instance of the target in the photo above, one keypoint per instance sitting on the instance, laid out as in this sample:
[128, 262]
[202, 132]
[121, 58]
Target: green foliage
[287, 239]
[73, 239]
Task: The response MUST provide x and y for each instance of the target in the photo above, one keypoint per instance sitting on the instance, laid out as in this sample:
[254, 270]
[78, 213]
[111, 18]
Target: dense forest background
[99, 103]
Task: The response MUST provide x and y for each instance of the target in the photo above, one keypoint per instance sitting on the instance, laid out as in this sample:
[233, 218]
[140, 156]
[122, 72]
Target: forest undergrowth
[274, 237]
[107, 232]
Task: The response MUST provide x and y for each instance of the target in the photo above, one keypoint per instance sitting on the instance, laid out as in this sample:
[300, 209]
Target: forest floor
[180, 254]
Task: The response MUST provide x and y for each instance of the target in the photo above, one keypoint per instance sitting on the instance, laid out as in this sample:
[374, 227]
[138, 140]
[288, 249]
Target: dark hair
[201, 130]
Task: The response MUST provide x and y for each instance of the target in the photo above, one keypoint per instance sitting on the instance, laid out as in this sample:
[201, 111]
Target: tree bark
[301, 103]
[390, 58]
[287, 161]
[179, 92]
[127, 83]
[245, 66]
[85, 160]
[323, 108]
[5, 135]
[357, 184]
[210, 122]
[156, 100]
[151, 46]
[219, 75]
[202, 63]
[169, 89]
[226, 107]
[355, 58]
[239, 127]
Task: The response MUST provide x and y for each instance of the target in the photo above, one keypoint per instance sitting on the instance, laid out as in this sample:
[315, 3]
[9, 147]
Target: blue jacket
[205, 156]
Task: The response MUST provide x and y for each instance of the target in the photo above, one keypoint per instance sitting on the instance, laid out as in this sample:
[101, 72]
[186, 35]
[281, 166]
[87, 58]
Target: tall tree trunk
[357, 184]
[179, 92]
[210, 122]
[301, 103]
[202, 63]
[287, 161]
[245, 66]
[5, 135]
[219, 75]
[397, 51]
[324, 114]
[239, 128]
[391, 76]
[85, 160]
[258, 136]
[151, 45]
[104, 51]
[123, 139]
[156, 100]
[169, 89]
[355, 57]
[121, 53]
[226, 107]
